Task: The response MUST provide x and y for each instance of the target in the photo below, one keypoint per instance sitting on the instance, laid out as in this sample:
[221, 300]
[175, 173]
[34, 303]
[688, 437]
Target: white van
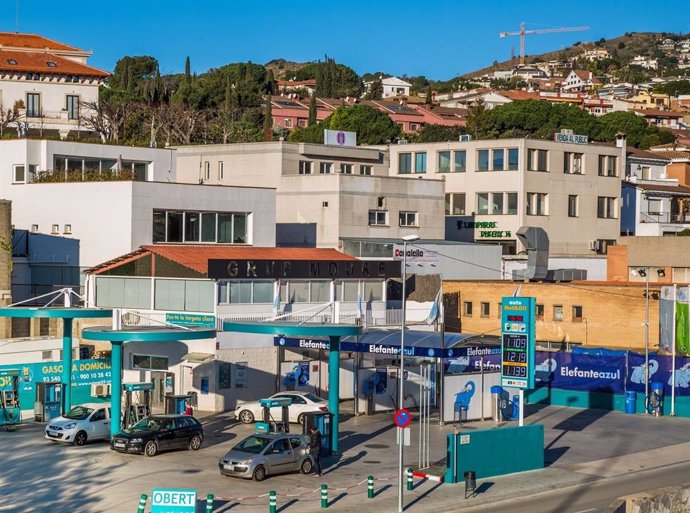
[90, 421]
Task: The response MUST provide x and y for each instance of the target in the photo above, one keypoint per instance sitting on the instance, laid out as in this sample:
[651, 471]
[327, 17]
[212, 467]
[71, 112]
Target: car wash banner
[582, 371]
[473, 359]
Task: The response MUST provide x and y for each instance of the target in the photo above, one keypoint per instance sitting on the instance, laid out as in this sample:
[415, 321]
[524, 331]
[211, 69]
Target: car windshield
[313, 398]
[79, 413]
[253, 444]
[150, 423]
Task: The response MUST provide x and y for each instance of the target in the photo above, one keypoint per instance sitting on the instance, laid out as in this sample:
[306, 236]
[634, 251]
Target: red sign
[402, 418]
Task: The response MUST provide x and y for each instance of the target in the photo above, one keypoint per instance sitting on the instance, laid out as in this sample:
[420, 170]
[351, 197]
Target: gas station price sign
[517, 342]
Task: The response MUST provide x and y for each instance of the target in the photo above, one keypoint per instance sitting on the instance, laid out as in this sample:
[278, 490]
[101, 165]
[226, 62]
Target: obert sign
[171, 500]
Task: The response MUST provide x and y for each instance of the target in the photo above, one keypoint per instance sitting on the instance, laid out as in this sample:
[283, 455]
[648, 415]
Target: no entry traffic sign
[402, 418]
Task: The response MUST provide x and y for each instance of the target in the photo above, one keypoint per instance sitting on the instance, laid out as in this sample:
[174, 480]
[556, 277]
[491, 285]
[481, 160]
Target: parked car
[258, 456]
[302, 402]
[160, 433]
[90, 421]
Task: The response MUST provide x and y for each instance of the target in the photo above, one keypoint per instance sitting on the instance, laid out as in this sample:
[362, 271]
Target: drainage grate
[377, 446]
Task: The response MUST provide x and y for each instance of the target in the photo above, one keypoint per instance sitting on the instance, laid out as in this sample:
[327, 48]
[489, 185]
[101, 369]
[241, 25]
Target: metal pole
[421, 416]
[400, 378]
[521, 408]
[673, 354]
[66, 364]
[646, 342]
[116, 388]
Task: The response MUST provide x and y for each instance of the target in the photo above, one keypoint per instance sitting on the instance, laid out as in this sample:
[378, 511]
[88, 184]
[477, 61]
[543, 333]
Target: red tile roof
[17, 40]
[196, 256]
[657, 113]
[37, 62]
[519, 95]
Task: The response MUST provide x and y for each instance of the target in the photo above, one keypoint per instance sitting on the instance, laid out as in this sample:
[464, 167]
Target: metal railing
[664, 217]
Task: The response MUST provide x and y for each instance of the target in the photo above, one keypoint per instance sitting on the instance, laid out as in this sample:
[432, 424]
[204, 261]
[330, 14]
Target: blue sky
[436, 38]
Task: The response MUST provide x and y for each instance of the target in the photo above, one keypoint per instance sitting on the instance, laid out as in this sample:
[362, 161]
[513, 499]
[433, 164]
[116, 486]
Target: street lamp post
[406, 239]
[646, 339]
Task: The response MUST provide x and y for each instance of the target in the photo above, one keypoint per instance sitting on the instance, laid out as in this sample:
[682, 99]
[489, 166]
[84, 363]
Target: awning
[198, 357]
[417, 343]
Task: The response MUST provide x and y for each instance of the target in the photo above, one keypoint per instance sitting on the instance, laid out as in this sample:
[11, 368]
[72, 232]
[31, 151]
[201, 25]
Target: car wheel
[300, 419]
[246, 417]
[151, 449]
[306, 466]
[195, 443]
[259, 473]
[80, 439]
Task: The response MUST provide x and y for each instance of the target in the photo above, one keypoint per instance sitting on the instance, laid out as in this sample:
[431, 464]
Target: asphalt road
[594, 497]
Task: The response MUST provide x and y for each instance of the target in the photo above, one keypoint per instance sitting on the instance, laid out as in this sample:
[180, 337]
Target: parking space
[46, 476]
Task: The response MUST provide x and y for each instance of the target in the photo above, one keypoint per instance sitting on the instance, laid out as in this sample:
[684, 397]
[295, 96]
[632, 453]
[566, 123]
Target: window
[577, 313]
[420, 162]
[68, 229]
[207, 170]
[305, 167]
[287, 123]
[513, 159]
[607, 165]
[245, 292]
[577, 163]
[444, 161]
[378, 218]
[12, 62]
[497, 203]
[483, 203]
[606, 208]
[149, 362]
[326, 168]
[572, 206]
[557, 312]
[302, 123]
[51, 64]
[572, 163]
[365, 170]
[512, 203]
[467, 309]
[46, 355]
[33, 105]
[497, 159]
[220, 170]
[34, 228]
[381, 202]
[536, 204]
[539, 312]
[482, 160]
[408, 218]
[19, 174]
[405, 163]
[55, 229]
[537, 160]
[460, 161]
[485, 309]
[346, 169]
[455, 204]
[221, 227]
[72, 106]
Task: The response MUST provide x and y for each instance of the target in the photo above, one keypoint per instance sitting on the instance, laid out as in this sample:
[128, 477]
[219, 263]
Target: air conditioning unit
[402, 141]
[465, 138]
[594, 245]
[100, 389]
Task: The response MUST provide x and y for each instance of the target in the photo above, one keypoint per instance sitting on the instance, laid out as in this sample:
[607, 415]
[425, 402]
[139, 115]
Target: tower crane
[522, 33]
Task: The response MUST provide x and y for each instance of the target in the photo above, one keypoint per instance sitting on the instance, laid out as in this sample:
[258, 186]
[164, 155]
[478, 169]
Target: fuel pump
[48, 404]
[268, 423]
[10, 412]
[137, 402]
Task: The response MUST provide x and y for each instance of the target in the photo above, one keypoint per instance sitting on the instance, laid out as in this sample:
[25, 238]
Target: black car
[160, 433]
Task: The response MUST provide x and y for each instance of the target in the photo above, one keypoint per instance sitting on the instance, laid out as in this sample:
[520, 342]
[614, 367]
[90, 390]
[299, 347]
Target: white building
[117, 198]
[580, 80]
[324, 194]
[644, 62]
[493, 187]
[46, 83]
[392, 86]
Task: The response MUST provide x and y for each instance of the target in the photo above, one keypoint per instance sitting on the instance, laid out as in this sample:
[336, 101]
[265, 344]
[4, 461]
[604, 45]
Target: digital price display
[517, 342]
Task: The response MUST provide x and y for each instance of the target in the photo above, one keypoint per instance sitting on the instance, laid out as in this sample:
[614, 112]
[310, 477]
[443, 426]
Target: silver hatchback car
[258, 456]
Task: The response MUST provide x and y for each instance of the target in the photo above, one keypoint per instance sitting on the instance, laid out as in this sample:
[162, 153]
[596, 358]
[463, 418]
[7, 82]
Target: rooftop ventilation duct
[536, 242]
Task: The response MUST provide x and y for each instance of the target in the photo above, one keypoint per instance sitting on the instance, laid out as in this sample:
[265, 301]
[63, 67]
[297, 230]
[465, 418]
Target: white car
[302, 402]
[90, 421]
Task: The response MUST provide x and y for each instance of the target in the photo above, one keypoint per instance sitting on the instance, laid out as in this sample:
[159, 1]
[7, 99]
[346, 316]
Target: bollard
[370, 487]
[272, 501]
[209, 503]
[410, 483]
[324, 496]
[142, 503]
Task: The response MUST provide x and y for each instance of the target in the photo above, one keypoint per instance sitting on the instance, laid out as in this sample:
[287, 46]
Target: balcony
[664, 218]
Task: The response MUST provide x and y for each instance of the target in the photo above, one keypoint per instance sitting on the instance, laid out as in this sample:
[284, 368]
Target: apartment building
[324, 194]
[493, 187]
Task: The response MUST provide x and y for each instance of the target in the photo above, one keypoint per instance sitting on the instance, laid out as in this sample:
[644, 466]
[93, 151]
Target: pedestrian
[188, 409]
[315, 449]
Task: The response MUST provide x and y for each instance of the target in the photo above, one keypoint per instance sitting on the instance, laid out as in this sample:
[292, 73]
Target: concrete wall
[596, 266]
[661, 500]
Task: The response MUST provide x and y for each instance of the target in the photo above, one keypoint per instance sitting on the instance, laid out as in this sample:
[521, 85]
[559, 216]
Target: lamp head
[642, 272]
[410, 238]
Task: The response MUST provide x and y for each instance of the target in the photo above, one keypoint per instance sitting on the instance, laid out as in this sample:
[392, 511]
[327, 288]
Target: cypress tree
[428, 95]
[187, 71]
[312, 110]
[268, 121]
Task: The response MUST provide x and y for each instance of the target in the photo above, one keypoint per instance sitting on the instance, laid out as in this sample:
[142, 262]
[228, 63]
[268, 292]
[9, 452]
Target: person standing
[188, 409]
[315, 449]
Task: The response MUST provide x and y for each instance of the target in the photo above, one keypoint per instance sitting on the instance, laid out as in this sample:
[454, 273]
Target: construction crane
[522, 33]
